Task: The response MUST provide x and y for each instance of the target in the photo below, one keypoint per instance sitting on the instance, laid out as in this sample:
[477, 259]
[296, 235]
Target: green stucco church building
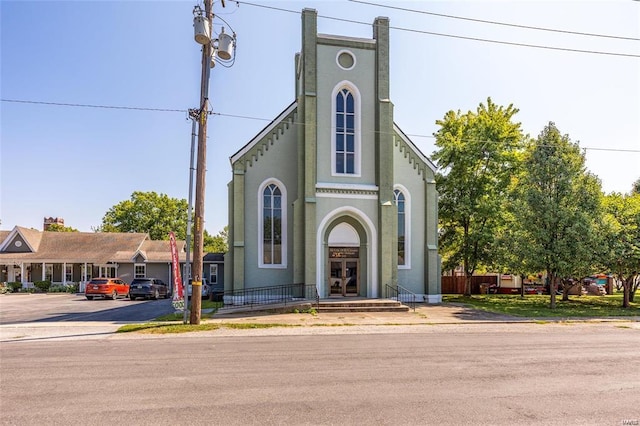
[332, 192]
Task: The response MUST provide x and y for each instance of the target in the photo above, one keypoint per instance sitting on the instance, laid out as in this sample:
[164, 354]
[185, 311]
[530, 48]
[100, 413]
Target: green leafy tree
[218, 243]
[148, 212]
[511, 244]
[477, 155]
[56, 227]
[635, 188]
[559, 209]
[622, 219]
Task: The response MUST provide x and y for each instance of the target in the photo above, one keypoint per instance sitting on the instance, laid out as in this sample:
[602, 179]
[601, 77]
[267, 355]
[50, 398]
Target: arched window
[272, 227]
[345, 148]
[400, 201]
[345, 132]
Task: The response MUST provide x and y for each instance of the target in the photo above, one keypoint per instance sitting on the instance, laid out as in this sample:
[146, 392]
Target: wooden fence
[455, 285]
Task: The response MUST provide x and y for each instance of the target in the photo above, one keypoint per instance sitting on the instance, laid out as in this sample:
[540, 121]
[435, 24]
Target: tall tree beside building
[217, 243]
[559, 209]
[148, 212]
[622, 219]
[477, 156]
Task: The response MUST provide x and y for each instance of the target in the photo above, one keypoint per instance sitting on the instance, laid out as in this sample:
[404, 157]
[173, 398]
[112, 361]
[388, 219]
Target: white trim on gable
[138, 252]
[235, 157]
[357, 109]
[12, 236]
[415, 149]
[283, 191]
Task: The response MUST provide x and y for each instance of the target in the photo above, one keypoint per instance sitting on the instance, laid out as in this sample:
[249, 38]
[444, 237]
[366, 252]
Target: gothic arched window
[400, 201]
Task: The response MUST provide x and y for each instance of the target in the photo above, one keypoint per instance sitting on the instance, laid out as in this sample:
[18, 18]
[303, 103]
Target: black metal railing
[279, 294]
[403, 295]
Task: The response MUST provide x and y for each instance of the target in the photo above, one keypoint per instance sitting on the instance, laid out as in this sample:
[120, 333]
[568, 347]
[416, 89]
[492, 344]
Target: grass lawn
[534, 306]
[178, 316]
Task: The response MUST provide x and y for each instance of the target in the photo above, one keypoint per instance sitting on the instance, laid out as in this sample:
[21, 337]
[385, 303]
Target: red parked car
[110, 288]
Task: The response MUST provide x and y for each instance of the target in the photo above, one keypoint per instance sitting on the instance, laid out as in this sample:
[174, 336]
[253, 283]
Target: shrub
[65, 288]
[43, 286]
[15, 286]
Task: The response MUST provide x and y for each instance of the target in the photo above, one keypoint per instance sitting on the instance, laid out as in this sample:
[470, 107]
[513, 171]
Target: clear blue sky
[76, 163]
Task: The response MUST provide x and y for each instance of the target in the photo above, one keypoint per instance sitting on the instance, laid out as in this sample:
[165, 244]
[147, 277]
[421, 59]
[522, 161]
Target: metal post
[193, 115]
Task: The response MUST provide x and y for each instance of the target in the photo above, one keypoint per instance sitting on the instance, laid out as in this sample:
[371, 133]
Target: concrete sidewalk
[302, 323]
[423, 314]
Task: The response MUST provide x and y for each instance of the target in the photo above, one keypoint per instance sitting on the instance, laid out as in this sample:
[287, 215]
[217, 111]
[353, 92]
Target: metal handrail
[279, 294]
[402, 294]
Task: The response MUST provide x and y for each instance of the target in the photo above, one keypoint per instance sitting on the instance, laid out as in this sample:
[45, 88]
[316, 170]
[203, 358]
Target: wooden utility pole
[201, 165]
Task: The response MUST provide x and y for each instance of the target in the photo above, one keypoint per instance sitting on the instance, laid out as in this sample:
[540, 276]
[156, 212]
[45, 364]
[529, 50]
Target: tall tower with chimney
[48, 221]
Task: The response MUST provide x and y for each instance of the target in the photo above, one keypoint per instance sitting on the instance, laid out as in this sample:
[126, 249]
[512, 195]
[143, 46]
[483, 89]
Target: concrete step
[356, 304]
[363, 305]
[338, 309]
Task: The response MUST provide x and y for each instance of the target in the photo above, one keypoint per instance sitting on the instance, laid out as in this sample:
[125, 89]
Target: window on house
[399, 200]
[107, 271]
[213, 274]
[68, 273]
[140, 270]
[86, 271]
[345, 142]
[272, 225]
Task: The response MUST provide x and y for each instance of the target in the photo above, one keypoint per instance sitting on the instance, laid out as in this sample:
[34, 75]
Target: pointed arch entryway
[347, 253]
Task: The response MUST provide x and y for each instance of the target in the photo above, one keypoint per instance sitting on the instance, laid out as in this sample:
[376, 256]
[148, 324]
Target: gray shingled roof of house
[90, 247]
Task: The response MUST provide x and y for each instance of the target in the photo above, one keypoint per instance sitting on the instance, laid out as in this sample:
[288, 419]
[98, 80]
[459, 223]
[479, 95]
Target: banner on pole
[178, 294]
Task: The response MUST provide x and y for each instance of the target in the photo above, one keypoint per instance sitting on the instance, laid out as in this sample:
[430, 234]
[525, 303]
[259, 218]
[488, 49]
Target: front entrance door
[344, 279]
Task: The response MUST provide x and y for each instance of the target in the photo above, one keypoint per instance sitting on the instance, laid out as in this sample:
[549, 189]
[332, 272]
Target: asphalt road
[506, 374]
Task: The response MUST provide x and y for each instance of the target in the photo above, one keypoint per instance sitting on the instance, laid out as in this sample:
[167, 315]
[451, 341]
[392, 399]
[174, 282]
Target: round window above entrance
[346, 60]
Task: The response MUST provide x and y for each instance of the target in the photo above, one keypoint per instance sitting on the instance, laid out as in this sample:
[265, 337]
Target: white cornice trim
[345, 38]
[346, 186]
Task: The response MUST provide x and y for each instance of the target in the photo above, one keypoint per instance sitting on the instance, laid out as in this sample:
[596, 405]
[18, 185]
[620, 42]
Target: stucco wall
[411, 275]
[278, 163]
[363, 78]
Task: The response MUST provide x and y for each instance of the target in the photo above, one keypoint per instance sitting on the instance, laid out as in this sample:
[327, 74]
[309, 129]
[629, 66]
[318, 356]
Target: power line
[484, 40]
[20, 101]
[248, 117]
[529, 27]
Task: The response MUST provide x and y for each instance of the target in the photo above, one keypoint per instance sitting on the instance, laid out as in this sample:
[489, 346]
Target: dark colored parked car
[107, 288]
[148, 288]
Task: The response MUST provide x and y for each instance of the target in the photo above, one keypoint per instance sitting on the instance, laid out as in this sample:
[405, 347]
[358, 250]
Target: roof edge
[413, 146]
[264, 132]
